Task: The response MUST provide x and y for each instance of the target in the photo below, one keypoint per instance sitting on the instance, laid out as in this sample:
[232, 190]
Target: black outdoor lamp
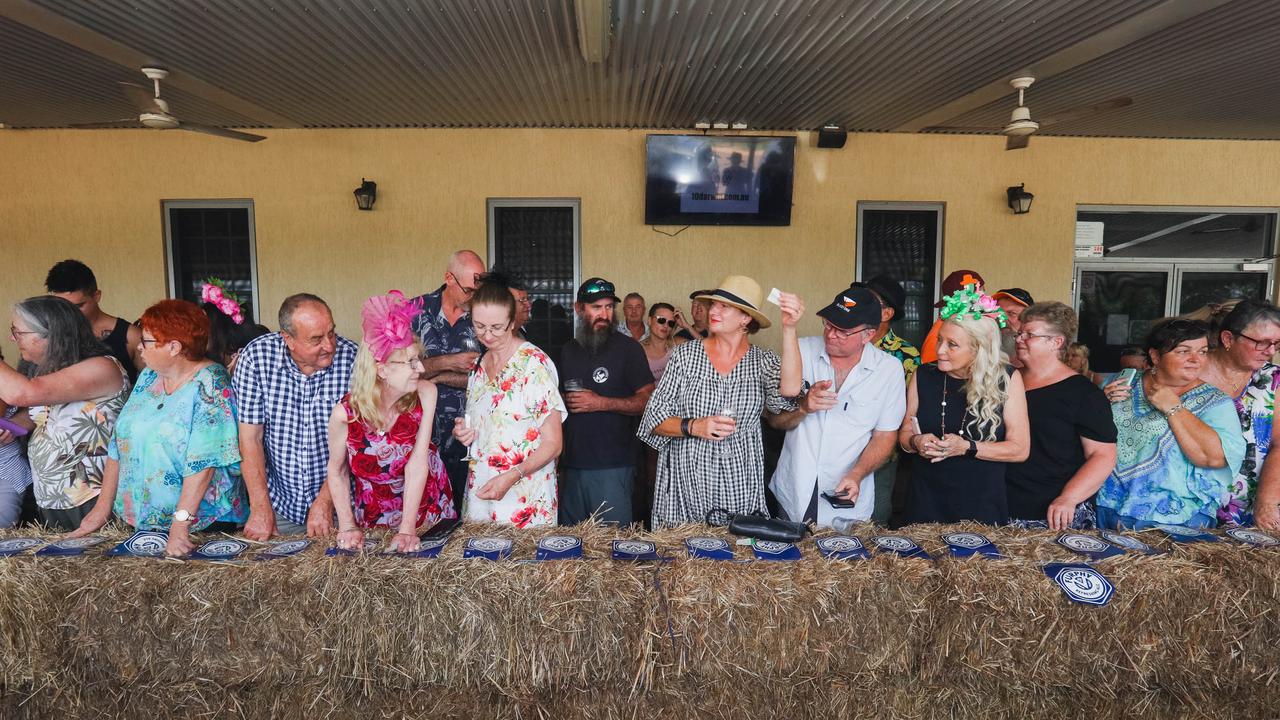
[367, 193]
[1019, 199]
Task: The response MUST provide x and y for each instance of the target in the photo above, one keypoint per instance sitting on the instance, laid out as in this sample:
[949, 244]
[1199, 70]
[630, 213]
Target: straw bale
[1190, 633]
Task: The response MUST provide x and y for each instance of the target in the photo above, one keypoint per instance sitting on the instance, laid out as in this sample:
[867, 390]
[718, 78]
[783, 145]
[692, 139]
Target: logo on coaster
[1252, 537]
[1180, 533]
[896, 543]
[634, 547]
[1081, 583]
[1126, 542]
[772, 546]
[706, 543]
[966, 539]
[840, 544]
[221, 549]
[286, 548]
[146, 544]
[77, 543]
[601, 375]
[559, 543]
[13, 546]
[1082, 543]
[433, 543]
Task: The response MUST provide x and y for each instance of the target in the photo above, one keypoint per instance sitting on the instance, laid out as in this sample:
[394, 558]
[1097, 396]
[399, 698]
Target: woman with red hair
[174, 461]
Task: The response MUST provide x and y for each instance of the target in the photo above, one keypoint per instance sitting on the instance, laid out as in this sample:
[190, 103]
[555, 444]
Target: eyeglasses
[149, 341]
[490, 329]
[410, 362]
[1024, 335]
[15, 332]
[827, 327]
[467, 290]
[665, 321]
[1267, 345]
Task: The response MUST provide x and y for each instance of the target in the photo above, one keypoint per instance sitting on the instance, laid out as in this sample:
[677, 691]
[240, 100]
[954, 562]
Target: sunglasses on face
[665, 321]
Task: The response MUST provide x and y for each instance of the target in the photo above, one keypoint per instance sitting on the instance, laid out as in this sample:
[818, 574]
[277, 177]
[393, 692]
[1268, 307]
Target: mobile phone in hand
[1127, 375]
[16, 429]
[837, 501]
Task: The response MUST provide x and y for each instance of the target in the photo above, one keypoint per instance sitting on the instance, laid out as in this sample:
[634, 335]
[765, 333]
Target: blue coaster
[16, 546]
[772, 550]
[631, 550]
[1081, 583]
[487, 548]
[1181, 534]
[708, 548]
[70, 548]
[144, 543]
[901, 545]
[842, 547]
[1127, 543]
[1249, 536]
[370, 545]
[429, 548]
[559, 547]
[221, 549]
[1088, 546]
[966, 544]
[287, 548]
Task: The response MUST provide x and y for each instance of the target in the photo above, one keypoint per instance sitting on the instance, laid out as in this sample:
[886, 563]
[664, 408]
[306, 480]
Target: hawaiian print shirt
[440, 338]
[1256, 408]
[905, 352]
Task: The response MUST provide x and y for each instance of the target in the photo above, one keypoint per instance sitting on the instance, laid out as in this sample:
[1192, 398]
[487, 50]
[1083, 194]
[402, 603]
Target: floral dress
[162, 438]
[507, 412]
[377, 461]
[1256, 408]
[68, 447]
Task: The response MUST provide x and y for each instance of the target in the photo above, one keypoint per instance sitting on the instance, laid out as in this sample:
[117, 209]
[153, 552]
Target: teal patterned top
[161, 439]
[1153, 480]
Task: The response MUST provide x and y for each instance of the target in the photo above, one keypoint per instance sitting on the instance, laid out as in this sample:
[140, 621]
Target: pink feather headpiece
[387, 321]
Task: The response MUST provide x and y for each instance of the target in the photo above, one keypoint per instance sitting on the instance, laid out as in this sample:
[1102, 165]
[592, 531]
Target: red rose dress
[377, 461]
[507, 412]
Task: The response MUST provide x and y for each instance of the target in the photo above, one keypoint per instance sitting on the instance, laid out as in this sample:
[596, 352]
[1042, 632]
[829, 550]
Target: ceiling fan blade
[959, 129]
[1083, 112]
[141, 98]
[1016, 142]
[220, 132]
[114, 124]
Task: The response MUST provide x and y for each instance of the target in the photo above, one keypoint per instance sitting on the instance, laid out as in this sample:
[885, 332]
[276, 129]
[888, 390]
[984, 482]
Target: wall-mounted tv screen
[713, 180]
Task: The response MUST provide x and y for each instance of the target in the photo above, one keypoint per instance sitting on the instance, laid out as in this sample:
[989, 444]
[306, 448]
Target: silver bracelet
[1174, 410]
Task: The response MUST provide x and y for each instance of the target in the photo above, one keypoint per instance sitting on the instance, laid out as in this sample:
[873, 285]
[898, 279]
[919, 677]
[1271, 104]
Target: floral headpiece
[215, 293]
[387, 321]
[972, 303]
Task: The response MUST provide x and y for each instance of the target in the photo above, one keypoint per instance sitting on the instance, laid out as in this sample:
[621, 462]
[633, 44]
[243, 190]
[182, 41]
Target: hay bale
[310, 636]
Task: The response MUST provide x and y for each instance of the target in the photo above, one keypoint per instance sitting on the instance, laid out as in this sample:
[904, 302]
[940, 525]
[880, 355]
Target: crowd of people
[196, 419]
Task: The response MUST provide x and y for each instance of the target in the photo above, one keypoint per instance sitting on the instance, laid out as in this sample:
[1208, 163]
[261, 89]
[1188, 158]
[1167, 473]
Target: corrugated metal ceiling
[774, 64]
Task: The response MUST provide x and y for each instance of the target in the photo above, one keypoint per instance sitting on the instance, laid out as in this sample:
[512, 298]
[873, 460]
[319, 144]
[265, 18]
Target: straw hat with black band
[741, 292]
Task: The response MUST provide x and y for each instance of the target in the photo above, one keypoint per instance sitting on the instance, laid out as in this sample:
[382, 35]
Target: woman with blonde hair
[1076, 357]
[381, 459]
[966, 418]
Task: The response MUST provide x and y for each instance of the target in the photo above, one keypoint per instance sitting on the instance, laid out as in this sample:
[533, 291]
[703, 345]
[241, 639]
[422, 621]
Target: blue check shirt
[294, 409]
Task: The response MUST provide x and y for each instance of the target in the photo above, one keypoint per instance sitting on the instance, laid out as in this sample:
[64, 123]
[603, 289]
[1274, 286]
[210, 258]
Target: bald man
[444, 326]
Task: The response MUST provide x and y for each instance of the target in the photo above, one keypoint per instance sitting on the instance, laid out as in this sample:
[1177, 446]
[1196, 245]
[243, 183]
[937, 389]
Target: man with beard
[1013, 301]
[606, 383]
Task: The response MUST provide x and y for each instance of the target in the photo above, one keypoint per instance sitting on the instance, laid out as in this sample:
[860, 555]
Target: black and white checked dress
[696, 475]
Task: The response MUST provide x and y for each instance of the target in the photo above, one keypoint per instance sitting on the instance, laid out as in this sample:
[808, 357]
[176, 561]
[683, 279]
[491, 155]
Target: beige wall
[96, 195]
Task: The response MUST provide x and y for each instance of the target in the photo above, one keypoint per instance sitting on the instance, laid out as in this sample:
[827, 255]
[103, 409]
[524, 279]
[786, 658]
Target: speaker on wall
[832, 136]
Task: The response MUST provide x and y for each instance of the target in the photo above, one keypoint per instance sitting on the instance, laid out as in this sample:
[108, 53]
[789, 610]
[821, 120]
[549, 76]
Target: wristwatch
[973, 448]
[182, 516]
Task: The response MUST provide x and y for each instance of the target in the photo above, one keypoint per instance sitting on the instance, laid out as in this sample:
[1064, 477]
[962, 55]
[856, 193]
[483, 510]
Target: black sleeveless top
[117, 341]
[958, 488]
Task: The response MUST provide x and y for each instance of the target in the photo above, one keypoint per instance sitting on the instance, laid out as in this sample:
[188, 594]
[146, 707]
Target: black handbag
[759, 527]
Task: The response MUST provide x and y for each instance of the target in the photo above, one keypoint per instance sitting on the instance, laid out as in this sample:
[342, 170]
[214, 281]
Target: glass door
[1200, 287]
[1117, 306]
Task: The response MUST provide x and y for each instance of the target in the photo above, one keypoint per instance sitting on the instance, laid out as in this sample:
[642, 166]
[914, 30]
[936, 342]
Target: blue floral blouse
[161, 439]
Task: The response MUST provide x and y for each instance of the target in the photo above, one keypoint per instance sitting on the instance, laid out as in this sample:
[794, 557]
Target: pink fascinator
[387, 321]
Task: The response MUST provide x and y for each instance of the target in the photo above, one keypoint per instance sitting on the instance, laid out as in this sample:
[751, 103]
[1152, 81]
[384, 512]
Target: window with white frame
[211, 238]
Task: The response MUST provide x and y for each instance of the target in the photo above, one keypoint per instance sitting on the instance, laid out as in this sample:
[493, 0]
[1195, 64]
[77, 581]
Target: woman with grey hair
[74, 390]
[1240, 365]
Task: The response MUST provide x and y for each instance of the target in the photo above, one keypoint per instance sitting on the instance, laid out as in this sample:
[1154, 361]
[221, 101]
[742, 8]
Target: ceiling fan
[1020, 128]
[155, 111]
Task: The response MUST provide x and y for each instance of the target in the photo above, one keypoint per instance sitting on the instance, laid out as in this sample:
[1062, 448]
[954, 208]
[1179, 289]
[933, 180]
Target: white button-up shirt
[825, 445]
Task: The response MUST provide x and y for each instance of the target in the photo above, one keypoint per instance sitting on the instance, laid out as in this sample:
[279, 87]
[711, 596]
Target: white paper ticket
[775, 297]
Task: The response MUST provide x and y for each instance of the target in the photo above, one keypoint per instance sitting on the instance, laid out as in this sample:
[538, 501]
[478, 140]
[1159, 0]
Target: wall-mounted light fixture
[1020, 199]
[366, 194]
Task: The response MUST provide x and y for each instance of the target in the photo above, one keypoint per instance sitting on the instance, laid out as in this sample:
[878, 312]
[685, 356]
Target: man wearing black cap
[606, 382]
[848, 420]
[1013, 301]
[698, 311]
[892, 299]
